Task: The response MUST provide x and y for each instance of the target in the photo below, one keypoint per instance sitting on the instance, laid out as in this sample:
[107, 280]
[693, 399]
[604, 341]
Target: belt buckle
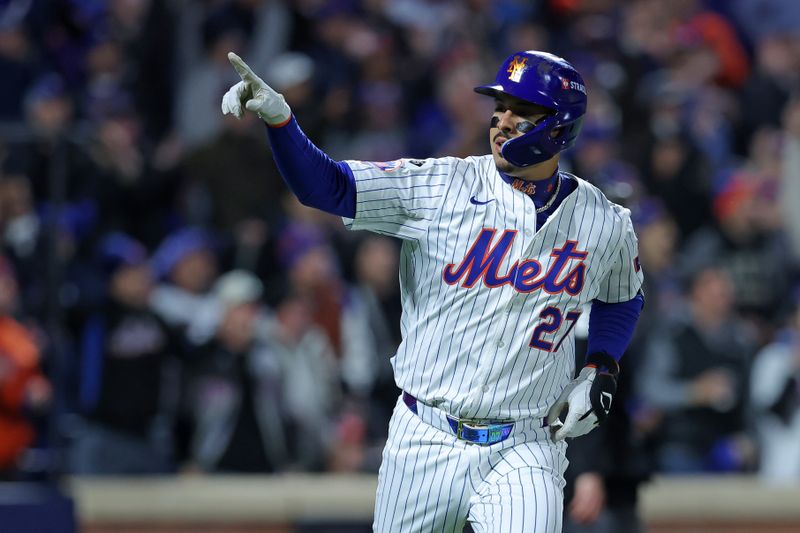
[482, 434]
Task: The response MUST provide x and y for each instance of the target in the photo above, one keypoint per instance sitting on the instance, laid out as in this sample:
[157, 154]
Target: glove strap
[603, 362]
[604, 385]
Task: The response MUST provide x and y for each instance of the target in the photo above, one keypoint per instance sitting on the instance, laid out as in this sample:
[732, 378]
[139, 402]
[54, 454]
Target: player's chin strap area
[534, 146]
[605, 383]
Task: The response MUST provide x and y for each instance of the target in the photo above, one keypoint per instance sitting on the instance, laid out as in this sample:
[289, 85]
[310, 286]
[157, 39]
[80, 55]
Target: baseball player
[500, 254]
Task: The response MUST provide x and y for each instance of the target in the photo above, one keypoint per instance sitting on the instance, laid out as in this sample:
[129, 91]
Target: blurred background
[169, 312]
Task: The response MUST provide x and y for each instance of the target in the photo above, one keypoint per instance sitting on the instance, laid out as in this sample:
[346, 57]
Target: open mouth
[499, 141]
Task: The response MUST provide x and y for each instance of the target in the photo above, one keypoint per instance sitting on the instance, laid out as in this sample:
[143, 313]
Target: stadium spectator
[312, 389]
[695, 373]
[311, 267]
[18, 64]
[714, 40]
[208, 33]
[21, 234]
[747, 247]
[52, 140]
[124, 347]
[672, 167]
[24, 391]
[186, 265]
[128, 188]
[767, 92]
[376, 286]
[775, 401]
[235, 387]
[658, 253]
[789, 188]
[596, 157]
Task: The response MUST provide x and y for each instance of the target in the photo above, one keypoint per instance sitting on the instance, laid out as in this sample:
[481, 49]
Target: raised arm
[317, 180]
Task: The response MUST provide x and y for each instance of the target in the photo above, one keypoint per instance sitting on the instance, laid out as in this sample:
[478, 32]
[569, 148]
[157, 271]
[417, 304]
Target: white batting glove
[253, 94]
[586, 399]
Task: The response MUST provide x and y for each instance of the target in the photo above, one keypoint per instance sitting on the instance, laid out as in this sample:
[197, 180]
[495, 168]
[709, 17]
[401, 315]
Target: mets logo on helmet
[516, 68]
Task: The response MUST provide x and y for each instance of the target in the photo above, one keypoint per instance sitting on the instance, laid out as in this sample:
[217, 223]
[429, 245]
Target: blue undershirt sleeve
[611, 325]
[317, 180]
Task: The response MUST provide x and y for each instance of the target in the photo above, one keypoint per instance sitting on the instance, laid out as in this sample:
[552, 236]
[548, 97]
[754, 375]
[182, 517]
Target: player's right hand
[254, 95]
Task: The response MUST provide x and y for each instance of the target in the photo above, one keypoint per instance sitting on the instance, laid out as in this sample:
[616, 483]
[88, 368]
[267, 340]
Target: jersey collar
[539, 191]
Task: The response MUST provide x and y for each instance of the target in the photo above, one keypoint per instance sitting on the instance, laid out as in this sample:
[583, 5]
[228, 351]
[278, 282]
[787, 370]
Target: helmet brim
[490, 90]
[498, 90]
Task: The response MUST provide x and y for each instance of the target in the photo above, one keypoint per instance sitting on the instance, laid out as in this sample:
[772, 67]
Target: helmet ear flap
[529, 149]
[539, 144]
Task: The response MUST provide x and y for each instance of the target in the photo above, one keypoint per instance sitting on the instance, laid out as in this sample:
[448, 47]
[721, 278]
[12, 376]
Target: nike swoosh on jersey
[475, 201]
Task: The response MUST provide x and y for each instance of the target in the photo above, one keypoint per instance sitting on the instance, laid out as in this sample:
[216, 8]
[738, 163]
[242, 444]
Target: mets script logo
[482, 262]
[516, 68]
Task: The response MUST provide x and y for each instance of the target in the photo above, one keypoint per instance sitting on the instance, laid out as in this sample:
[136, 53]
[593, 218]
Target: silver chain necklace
[552, 199]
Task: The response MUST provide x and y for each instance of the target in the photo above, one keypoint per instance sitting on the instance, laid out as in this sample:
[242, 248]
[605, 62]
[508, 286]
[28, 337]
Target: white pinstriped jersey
[489, 303]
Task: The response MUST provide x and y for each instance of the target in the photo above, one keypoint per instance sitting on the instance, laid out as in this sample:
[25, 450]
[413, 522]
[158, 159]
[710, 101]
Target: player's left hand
[586, 399]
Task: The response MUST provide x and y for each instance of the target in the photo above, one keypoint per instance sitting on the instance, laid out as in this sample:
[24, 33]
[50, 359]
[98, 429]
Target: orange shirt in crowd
[19, 375]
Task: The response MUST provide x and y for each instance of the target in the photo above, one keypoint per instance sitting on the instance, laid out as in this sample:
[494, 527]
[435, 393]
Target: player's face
[512, 117]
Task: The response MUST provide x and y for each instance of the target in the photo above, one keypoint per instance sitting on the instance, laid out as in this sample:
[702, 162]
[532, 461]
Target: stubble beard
[501, 163]
[504, 166]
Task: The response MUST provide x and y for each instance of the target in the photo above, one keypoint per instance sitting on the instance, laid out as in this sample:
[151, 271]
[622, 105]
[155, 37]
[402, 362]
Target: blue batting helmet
[548, 81]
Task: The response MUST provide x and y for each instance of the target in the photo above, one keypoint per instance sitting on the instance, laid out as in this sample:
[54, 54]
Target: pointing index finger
[241, 68]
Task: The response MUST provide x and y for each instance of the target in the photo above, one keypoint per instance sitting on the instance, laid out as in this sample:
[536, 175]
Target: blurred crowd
[167, 306]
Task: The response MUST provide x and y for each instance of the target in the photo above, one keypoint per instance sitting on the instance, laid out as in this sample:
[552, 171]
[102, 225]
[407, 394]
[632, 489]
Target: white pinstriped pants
[430, 481]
